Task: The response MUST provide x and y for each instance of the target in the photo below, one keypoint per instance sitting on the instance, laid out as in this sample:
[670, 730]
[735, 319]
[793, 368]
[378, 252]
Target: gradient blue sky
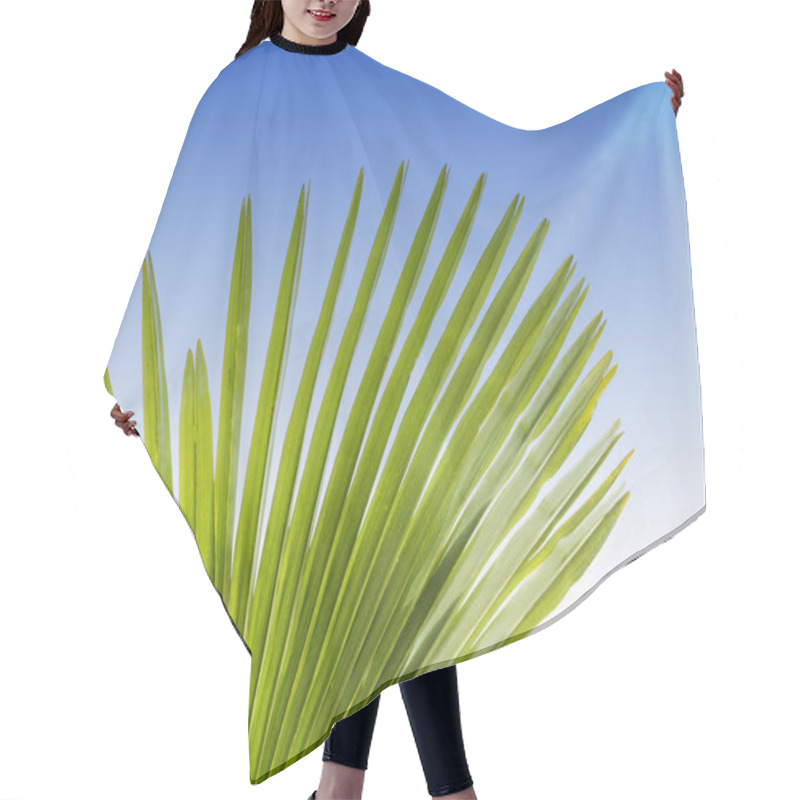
[609, 180]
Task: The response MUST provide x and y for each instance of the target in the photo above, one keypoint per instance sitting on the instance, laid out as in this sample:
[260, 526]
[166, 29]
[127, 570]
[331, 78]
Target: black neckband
[311, 49]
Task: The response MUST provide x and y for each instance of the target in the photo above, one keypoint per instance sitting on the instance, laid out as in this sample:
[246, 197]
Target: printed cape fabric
[418, 380]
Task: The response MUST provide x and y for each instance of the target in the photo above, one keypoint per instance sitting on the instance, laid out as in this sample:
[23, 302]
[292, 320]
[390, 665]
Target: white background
[120, 673]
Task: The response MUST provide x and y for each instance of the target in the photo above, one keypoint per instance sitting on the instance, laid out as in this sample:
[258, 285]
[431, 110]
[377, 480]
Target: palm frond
[196, 470]
[231, 401]
[155, 411]
[460, 534]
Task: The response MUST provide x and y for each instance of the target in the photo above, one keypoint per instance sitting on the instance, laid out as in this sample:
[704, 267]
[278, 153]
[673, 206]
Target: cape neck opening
[310, 49]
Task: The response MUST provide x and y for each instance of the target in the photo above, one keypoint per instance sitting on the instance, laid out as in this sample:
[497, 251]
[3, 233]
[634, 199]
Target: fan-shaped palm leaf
[460, 536]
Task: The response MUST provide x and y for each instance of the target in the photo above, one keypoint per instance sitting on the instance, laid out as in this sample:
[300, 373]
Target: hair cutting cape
[418, 380]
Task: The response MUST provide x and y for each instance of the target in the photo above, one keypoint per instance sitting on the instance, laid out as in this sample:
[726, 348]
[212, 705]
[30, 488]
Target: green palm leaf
[204, 461]
[187, 468]
[252, 502]
[274, 368]
[196, 469]
[231, 401]
[155, 413]
[364, 552]
[456, 581]
[319, 569]
[394, 565]
[485, 430]
[460, 536]
[267, 660]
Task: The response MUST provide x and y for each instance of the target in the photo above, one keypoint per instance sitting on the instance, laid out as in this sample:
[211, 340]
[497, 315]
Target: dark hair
[266, 18]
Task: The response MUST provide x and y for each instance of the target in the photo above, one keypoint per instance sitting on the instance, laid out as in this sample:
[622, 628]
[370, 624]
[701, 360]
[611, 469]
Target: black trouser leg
[432, 706]
[431, 701]
[351, 737]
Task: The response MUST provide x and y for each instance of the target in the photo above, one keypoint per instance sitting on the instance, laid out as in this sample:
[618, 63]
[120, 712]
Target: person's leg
[432, 706]
[346, 753]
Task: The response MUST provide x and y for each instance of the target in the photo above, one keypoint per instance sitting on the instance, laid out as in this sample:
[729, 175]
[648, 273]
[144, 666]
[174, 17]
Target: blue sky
[608, 180]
